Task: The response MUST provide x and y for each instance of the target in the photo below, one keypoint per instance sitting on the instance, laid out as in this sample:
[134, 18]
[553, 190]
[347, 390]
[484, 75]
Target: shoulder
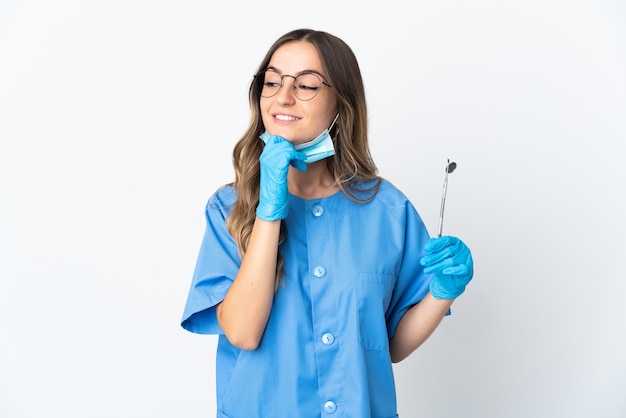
[225, 195]
[378, 190]
[394, 201]
[222, 200]
[389, 195]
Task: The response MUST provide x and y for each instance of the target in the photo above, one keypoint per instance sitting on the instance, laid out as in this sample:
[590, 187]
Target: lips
[285, 117]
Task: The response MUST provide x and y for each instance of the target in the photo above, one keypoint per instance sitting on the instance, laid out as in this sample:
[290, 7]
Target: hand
[275, 159]
[451, 262]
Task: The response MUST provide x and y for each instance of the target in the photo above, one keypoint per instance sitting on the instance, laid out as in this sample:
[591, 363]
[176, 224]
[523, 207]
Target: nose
[285, 95]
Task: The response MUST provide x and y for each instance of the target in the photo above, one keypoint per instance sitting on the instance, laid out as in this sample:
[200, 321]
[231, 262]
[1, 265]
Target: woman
[317, 274]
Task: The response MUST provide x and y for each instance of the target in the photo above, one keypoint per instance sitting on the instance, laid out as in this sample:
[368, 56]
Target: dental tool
[450, 167]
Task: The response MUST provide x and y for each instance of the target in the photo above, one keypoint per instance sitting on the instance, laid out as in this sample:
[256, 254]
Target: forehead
[295, 57]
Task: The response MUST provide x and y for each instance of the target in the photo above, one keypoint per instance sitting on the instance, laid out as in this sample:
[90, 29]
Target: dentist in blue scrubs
[316, 273]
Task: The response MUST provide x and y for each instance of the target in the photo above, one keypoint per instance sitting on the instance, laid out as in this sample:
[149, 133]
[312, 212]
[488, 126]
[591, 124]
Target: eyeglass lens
[305, 86]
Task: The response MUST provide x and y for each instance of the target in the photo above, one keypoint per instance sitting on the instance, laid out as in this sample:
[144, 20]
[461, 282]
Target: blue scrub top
[351, 271]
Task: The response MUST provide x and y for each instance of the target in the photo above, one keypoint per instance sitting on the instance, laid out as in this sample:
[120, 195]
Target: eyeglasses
[305, 86]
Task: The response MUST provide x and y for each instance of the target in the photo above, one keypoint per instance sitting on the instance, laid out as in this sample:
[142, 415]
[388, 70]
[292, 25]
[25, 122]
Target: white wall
[117, 120]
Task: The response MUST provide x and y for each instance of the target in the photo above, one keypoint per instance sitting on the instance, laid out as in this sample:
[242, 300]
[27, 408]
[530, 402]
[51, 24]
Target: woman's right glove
[275, 159]
[450, 260]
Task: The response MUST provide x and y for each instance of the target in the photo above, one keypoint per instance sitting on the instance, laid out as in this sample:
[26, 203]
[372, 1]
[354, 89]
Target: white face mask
[316, 149]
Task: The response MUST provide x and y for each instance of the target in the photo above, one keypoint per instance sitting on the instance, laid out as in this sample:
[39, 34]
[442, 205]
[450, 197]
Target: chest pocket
[373, 291]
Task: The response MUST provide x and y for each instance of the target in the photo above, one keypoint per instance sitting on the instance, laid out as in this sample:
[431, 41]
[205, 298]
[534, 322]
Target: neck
[314, 183]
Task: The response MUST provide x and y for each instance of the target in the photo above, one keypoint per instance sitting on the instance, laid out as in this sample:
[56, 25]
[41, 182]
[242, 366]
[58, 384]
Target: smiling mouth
[285, 117]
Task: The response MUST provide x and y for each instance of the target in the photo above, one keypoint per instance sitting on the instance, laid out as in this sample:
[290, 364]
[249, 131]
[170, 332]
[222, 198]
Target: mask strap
[333, 124]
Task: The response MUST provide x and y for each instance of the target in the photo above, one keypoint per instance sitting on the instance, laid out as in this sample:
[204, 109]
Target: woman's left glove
[451, 262]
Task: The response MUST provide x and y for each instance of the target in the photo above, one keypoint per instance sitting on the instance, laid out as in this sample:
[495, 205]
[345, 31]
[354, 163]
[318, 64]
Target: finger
[438, 254]
[275, 139]
[436, 244]
[280, 152]
[299, 164]
[434, 258]
[437, 268]
[457, 270]
[449, 256]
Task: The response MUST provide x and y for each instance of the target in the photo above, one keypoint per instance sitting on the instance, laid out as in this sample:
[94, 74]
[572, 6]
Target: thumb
[297, 161]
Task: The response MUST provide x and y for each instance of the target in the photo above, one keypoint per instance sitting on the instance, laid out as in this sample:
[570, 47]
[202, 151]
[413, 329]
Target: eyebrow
[307, 71]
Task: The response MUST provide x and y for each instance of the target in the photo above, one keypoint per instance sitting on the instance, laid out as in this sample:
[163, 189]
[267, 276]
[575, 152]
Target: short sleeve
[412, 283]
[216, 267]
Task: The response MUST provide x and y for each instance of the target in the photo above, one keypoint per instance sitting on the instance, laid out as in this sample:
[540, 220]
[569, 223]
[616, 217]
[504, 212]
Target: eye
[271, 79]
[307, 82]
[310, 88]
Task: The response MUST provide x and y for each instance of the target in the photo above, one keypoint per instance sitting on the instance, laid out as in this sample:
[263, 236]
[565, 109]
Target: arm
[416, 325]
[450, 261]
[244, 312]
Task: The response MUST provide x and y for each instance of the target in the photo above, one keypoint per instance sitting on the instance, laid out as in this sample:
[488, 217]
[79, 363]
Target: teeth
[285, 117]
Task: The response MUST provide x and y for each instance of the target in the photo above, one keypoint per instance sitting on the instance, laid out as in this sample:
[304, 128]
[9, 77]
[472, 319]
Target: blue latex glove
[275, 159]
[450, 261]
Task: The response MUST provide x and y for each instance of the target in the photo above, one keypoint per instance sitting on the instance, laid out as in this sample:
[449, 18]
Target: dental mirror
[450, 167]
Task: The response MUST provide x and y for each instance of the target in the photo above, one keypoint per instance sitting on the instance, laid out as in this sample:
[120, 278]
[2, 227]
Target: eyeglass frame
[293, 85]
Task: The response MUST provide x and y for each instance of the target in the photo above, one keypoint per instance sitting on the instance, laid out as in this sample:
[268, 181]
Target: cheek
[329, 109]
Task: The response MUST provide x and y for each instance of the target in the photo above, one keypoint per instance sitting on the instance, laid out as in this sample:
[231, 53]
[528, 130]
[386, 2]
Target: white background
[117, 121]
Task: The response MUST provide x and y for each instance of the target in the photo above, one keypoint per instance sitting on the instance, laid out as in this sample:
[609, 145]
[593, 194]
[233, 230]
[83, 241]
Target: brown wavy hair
[352, 166]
